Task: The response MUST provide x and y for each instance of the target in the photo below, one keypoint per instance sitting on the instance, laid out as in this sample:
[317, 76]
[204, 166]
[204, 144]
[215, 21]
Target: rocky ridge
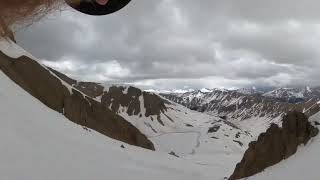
[55, 93]
[275, 145]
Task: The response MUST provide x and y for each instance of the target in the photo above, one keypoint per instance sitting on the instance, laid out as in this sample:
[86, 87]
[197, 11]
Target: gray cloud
[185, 43]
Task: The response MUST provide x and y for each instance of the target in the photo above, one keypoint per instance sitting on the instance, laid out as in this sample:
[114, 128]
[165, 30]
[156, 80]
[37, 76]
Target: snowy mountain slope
[162, 121]
[58, 95]
[170, 126]
[197, 133]
[12, 50]
[208, 146]
[302, 165]
[39, 143]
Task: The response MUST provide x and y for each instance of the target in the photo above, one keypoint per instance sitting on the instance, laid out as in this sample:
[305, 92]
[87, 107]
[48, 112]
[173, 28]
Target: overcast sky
[168, 44]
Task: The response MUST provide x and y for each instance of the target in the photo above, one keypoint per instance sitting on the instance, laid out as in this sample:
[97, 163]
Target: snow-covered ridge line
[11, 49]
[57, 93]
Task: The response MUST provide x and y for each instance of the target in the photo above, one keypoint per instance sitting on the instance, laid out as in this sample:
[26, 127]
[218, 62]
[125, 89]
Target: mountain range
[71, 129]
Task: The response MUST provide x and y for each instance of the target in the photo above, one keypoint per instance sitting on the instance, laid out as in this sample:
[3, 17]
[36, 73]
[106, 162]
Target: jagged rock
[238, 135]
[116, 97]
[223, 117]
[173, 154]
[188, 125]
[239, 142]
[275, 145]
[194, 108]
[119, 99]
[213, 129]
[154, 104]
[77, 107]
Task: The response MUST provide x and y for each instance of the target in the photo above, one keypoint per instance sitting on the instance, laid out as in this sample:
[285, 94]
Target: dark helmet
[93, 7]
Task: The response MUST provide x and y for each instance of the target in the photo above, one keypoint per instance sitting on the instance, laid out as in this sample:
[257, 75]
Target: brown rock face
[116, 97]
[275, 145]
[153, 104]
[77, 107]
[90, 88]
[119, 96]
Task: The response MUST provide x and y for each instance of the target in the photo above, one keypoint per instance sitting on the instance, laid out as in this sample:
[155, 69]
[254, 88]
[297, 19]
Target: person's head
[14, 12]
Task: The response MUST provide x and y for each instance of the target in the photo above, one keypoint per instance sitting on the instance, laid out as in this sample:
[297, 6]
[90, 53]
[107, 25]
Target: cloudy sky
[174, 44]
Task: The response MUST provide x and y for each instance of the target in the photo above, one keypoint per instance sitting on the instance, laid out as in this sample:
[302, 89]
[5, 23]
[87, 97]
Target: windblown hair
[23, 12]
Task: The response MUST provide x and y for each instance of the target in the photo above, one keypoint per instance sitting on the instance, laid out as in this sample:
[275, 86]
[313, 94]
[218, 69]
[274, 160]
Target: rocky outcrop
[135, 102]
[128, 101]
[75, 105]
[275, 145]
[153, 104]
[117, 97]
